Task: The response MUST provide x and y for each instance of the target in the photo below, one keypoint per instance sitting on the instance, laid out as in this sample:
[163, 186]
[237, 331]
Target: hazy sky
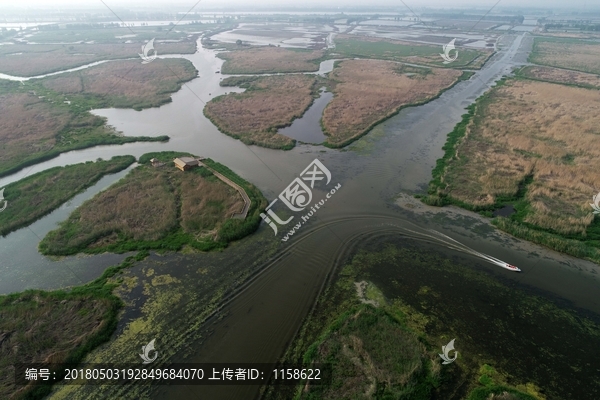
[294, 3]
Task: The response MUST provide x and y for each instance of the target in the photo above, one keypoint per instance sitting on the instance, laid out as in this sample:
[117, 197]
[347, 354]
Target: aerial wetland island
[407, 199]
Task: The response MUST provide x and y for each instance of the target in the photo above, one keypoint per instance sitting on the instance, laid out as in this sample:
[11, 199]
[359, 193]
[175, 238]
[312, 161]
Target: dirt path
[242, 214]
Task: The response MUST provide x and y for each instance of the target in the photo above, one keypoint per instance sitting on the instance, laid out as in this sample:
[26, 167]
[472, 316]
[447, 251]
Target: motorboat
[502, 264]
[511, 267]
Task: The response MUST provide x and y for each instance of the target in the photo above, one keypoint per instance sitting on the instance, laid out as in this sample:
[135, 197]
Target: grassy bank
[60, 326]
[546, 176]
[588, 250]
[37, 195]
[380, 327]
[159, 208]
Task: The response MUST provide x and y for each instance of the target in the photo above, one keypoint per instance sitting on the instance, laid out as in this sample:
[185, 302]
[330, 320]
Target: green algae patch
[174, 312]
[164, 280]
[493, 385]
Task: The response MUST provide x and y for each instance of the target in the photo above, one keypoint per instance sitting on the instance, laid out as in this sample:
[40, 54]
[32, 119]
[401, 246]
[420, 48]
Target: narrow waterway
[307, 129]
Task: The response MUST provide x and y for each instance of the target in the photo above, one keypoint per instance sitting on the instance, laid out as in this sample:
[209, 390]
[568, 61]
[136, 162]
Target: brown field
[368, 91]
[561, 76]
[569, 54]
[544, 130]
[148, 204]
[258, 60]
[269, 103]
[31, 59]
[126, 83]
[28, 126]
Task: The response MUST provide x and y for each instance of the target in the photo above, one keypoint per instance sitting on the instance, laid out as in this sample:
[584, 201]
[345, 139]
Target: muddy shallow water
[396, 157]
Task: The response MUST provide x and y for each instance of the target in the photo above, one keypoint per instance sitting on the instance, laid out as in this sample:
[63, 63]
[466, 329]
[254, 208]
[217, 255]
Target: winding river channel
[378, 174]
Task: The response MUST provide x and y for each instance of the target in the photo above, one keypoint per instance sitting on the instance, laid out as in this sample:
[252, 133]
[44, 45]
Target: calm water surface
[307, 129]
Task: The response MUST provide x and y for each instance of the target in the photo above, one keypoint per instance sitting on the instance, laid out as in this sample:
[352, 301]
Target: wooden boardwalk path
[244, 213]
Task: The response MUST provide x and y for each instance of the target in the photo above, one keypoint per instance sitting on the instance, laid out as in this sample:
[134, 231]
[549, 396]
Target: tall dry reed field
[581, 56]
[269, 103]
[367, 91]
[526, 128]
[260, 60]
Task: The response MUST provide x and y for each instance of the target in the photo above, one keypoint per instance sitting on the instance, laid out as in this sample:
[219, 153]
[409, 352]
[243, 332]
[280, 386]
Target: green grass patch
[240, 81]
[414, 278]
[588, 250]
[370, 352]
[495, 387]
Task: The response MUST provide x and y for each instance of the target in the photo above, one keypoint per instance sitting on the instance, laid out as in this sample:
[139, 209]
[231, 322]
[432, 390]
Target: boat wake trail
[447, 241]
[467, 249]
